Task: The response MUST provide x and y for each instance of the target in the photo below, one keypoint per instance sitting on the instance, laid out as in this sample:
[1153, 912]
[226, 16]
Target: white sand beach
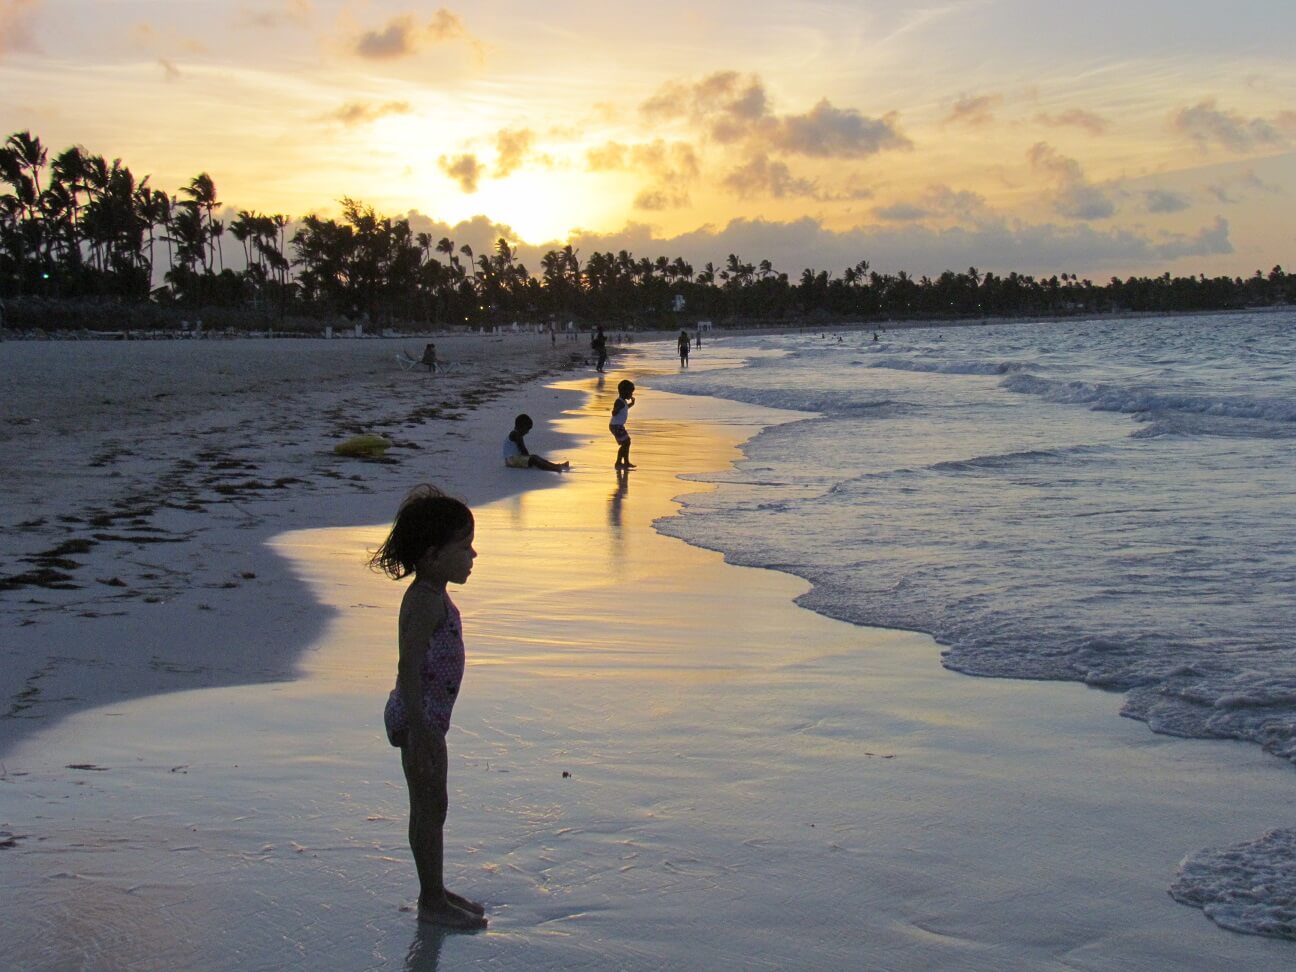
[658, 761]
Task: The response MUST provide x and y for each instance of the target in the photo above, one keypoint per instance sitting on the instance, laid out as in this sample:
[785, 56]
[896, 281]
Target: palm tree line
[78, 226]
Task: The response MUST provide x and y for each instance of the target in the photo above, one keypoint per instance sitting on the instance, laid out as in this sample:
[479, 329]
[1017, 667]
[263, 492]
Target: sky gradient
[1045, 137]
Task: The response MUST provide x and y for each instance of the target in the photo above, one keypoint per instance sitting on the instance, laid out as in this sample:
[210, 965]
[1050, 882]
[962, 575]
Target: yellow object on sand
[364, 446]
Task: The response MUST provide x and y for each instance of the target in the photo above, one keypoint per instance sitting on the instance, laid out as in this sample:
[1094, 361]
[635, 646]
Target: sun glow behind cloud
[873, 123]
[539, 206]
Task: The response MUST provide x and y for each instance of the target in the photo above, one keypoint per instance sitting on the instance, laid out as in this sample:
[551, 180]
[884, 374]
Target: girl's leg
[425, 775]
[540, 462]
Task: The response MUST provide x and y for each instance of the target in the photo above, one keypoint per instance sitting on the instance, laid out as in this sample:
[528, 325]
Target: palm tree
[201, 191]
[29, 154]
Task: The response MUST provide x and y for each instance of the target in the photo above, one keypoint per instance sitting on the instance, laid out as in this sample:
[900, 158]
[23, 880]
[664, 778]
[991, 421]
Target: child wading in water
[625, 389]
[432, 539]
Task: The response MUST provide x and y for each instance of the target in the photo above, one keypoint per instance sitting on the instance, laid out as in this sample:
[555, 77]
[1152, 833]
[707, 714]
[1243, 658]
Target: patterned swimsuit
[441, 673]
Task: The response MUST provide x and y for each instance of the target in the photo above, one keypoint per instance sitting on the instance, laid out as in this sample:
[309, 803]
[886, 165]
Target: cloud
[296, 13]
[661, 197]
[404, 35]
[724, 94]
[828, 132]
[997, 246]
[762, 177]
[1206, 124]
[16, 20]
[397, 39]
[154, 39]
[666, 160]
[464, 169]
[355, 113]
[936, 201]
[901, 212]
[1073, 195]
[975, 110]
[609, 158]
[1165, 201]
[1077, 118]
[671, 167]
[511, 146]
[732, 108]
[1207, 241]
[1248, 182]
[446, 26]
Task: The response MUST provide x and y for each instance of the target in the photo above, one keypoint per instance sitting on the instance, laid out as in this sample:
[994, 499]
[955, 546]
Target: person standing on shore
[599, 343]
[621, 411]
[429, 357]
[432, 539]
[683, 343]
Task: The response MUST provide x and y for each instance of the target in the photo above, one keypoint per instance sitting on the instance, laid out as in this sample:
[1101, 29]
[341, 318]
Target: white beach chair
[409, 363]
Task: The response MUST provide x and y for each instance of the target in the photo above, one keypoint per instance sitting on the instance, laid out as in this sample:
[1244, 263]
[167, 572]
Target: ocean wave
[1106, 397]
[1249, 887]
[1002, 460]
[953, 367]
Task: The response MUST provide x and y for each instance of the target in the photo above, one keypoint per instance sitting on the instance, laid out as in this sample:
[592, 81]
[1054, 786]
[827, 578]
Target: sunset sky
[1100, 138]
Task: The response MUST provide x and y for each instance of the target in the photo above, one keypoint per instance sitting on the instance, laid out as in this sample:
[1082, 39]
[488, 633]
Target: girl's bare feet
[444, 914]
[459, 901]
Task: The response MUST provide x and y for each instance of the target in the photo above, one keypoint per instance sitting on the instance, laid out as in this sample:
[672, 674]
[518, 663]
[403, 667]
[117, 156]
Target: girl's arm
[421, 613]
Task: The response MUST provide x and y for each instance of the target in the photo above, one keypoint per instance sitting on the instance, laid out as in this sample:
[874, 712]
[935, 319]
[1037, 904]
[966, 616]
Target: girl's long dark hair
[427, 518]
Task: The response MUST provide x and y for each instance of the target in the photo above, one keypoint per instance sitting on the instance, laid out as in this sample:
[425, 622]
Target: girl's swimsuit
[620, 412]
[441, 673]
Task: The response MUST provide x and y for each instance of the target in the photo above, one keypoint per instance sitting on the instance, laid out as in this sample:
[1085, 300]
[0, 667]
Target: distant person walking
[683, 343]
[516, 454]
[620, 412]
[432, 539]
[599, 343]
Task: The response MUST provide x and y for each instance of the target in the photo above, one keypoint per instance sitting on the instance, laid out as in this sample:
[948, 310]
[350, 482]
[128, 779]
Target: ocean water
[1111, 502]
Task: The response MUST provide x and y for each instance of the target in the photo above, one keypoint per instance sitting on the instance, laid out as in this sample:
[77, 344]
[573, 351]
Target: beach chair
[408, 362]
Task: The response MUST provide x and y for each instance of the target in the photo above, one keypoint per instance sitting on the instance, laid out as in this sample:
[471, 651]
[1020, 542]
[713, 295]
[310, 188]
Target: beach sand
[658, 761]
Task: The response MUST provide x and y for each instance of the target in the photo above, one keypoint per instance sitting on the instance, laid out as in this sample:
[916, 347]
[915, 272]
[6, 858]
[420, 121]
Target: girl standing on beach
[432, 539]
[620, 411]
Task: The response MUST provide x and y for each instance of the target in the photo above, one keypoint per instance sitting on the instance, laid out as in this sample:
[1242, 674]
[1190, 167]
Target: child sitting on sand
[516, 454]
[620, 411]
[432, 539]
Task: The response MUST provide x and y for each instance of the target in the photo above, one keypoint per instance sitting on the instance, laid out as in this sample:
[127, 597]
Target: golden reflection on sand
[572, 581]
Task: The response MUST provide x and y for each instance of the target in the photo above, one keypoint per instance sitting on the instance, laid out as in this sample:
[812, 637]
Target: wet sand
[658, 762]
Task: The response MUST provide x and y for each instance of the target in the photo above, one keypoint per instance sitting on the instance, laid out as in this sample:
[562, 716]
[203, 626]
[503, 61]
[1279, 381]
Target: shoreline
[315, 330]
[648, 734]
[150, 520]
